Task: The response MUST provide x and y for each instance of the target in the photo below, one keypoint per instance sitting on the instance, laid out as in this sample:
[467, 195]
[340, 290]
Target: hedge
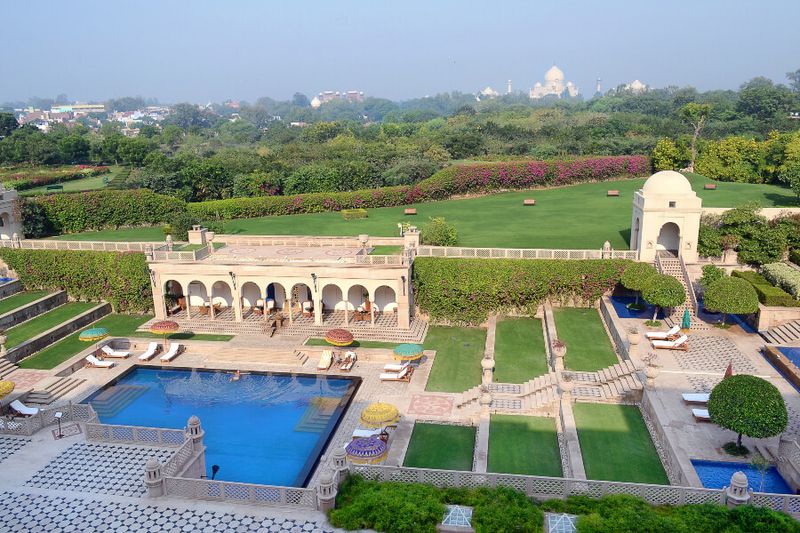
[783, 275]
[452, 181]
[794, 257]
[768, 294]
[120, 278]
[467, 290]
[95, 210]
[38, 177]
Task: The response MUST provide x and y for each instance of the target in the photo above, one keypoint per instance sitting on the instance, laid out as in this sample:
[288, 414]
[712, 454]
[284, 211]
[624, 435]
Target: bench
[529, 201]
[612, 192]
[410, 211]
[55, 188]
[710, 186]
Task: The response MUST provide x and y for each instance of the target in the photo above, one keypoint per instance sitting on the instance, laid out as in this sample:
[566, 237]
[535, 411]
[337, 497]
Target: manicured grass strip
[27, 330]
[519, 353]
[184, 336]
[457, 366]
[524, 445]
[386, 249]
[588, 346]
[616, 445]
[18, 300]
[84, 184]
[440, 446]
[313, 341]
[55, 354]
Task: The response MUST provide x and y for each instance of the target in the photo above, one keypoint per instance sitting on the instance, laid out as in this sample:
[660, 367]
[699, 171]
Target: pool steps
[53, 391]
[782, 334]
[114, 399]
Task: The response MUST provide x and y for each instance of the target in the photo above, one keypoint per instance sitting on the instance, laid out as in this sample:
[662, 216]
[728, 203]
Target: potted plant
[651, 368]
[634, 337]
[559, 348]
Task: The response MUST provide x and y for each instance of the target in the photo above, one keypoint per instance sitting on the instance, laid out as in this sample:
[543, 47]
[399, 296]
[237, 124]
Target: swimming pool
[266, 428]
[792, 354]
[620, 304]
[717, 475]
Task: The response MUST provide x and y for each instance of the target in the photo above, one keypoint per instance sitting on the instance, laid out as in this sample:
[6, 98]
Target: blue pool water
[6, 280]
[717, 474]
[792, 354]
[620, 306]
[263, 428]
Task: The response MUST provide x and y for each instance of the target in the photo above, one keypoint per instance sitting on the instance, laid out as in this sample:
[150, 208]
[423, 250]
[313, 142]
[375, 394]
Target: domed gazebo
[666, 217]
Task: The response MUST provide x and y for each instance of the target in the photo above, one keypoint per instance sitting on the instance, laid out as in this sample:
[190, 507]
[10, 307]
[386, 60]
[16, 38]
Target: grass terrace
[314, 341]
[524, 445]
[594, 217]
[616, 445]
[519, 352]
[386, 249]
[440, 446]
[20, 299]
[588, 346]
[459, 351]
[35, 326]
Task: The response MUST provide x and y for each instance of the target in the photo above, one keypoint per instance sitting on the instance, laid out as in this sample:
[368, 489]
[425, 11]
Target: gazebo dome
[667, 182]
[554, 74]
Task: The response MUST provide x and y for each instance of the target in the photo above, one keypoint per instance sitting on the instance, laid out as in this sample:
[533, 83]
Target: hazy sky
[203, 50]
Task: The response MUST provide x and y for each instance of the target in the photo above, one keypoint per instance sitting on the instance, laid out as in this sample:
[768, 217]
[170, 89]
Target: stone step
[785, 333]
[6, 367]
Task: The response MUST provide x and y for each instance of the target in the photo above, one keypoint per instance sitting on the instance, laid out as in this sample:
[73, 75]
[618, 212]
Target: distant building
[553, 86]
[79, 108]
[329, 96]
[488, 92]
[636, 87]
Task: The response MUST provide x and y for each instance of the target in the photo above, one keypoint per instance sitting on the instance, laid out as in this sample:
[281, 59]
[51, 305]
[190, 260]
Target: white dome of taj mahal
[554, 74]
[667, 182]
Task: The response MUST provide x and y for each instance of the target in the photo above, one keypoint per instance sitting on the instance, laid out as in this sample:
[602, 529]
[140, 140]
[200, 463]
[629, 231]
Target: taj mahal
[553, 85]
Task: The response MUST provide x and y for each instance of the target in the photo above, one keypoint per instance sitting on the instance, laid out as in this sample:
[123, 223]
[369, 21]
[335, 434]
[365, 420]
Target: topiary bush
[730, 295]
[439, 232]
[768, 294]
[636, 277]
[663, 290]
[711, 274]
[785, 276]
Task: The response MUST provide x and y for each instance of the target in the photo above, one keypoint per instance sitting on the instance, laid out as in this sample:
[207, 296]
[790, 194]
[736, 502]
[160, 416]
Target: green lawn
[184, 336]
[524, 445]
[27, 330]
[457, 366]
[356, 344]
[386, 249]
[577, 216]
[440, 446]
[19, 299]
[588, 346]
[519, 353]
[616, 445]
[84, 184]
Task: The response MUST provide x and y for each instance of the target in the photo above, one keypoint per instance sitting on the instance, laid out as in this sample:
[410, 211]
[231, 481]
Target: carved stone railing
[95, 246]
[229, 491]
[134, 435]
[382, 259]
[180, 458]
[28, 425]
[522, 253]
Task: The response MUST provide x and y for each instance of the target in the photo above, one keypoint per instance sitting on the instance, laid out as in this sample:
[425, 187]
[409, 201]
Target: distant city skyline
[209, 51]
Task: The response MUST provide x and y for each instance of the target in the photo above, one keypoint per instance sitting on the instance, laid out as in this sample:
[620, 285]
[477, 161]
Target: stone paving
[713, 354]
[100, 468]
[9, 445]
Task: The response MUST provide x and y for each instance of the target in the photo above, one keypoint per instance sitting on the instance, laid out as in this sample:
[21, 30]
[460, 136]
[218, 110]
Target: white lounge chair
[701, 415]
[111, 352]
[325, 360]
[403, 375]
[152, 349]
[701, 398]
[395, 367]
[664, 335]
[173, 352]
[361, 433]
[23, 409]
[681, 343]
[94, 362]
[348, 362]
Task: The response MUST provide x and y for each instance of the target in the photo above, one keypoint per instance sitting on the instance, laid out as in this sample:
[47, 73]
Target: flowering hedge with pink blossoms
[452, 181]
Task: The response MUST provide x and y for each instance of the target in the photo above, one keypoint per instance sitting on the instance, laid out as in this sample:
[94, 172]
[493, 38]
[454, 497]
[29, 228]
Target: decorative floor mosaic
[101, 468]
[9, 445]
[427, 404]
[713, 354]
[703, 384]
[33, 513]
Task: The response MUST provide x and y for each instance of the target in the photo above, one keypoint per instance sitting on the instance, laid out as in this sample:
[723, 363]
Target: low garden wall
[12, 287]
[769, 317]
[615, 329]
[12, 318]
[52, 335]
[678, 465]
[782, 363]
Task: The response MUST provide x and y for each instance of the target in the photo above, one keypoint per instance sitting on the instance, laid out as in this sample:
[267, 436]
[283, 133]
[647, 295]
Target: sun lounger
[348, 362]
[362, 433]
[395, 367]
[325, 360]
[403, 375]
[94, 362]
[108, 351]
[681, 343]
[152, 349]
[664, 335]
[696, 398]
[701, 415]
[173, 352]
[23, 409]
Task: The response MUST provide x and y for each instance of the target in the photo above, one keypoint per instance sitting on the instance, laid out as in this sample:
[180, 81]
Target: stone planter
[652, 373]
[634, 338]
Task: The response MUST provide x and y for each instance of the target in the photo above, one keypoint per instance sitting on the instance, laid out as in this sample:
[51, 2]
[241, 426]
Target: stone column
[318, 309]
[159, 304]
[195, 432]
[737, 493]
[340, 464]
[291, 310]
[403, 299]
[153, 478]
[237, 306]
[188, 297]
[326, 491]
[372, 314]
[347, 313]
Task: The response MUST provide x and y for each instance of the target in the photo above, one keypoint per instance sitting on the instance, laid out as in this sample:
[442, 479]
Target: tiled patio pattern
[713, 354]
[101, 468]
[9, 445]
[34, 512]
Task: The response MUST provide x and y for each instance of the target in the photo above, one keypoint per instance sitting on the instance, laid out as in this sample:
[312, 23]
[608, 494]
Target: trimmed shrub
[711, 274]
[95, 210]
[663, 290]
[748, 405]
[353, 214]
[120, 278]
[731, 296]
[468, 290]
[783, 275]
[439, 232]
[768, 294]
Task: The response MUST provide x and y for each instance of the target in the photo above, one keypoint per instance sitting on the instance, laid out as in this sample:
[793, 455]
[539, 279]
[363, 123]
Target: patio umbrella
[164, 327]
[6, 387]
[408, 352]
[728, 371]
[93, 335]
[367, 450]
[339, 337]
[686, 323]
[379, 414]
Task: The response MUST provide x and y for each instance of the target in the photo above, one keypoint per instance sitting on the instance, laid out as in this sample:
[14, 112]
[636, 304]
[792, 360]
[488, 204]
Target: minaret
[508, 87]
[597, 87]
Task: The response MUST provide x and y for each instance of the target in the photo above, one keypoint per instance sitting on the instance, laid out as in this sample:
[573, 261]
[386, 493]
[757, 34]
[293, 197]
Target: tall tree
[794, 80]
[7, 124]
[695, 114]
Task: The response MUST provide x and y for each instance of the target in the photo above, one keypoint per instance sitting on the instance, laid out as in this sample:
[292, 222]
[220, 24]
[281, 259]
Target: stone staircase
[6, 367]
[785, 333]
[53, 391]
[112, 400]
[673, 266]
